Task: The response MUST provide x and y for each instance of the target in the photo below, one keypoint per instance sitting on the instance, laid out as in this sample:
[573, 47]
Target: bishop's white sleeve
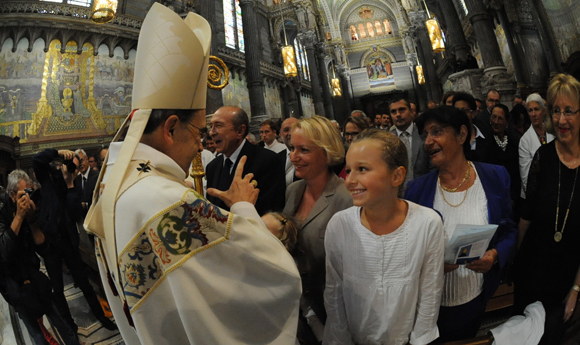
[336, 329]
[430, 286]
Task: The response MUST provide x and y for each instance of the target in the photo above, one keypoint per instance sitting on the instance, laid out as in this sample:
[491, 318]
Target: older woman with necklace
[548, 262]
[464, 192]
[533, 138]
[503, 150]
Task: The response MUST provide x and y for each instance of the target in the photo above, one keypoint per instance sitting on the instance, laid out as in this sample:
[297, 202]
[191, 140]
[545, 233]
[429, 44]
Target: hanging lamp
[288, 56]
[103, 11]
[434, 31]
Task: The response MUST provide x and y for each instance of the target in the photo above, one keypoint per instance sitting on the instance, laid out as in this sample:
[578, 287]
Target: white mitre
[171, 70]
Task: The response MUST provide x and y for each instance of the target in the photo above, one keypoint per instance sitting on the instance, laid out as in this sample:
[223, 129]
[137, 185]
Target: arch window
[301, 58]
[234, 29]
[379, 28]
[353, 34]
[85, 3]
[371, 30]
[388, 29]
[361, 31]
[463, 6]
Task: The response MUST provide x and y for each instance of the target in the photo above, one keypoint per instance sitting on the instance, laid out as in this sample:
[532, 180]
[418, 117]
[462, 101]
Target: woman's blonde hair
[288, 231]
[394, 151]
[323, 134]
[561, 85]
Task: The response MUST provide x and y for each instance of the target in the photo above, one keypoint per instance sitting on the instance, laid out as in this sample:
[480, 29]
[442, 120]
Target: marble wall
[236, 93]
[565, 19]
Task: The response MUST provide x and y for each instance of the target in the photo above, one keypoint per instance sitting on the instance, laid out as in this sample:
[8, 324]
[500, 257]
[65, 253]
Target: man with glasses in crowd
[483, 117]
[479, 140]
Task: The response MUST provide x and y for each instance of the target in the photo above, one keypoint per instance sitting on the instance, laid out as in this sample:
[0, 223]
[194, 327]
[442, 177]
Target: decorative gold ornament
[420, 75]
[336, 90]
[289, 58]
[435, 35]
[103, 11]
[215, 74]
[197, 173]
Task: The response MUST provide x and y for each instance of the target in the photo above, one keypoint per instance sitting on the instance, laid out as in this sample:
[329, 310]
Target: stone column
[347, 94]
[495, 74]
[425, 53]
[482, 23]
[326, 95]
[505, 24]
[297, 88]
[309, 40]
[253, 58]
[455, 36]
[547, 38]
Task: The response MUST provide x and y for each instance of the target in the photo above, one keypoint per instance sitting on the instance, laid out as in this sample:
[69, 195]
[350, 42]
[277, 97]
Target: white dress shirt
[276, 146]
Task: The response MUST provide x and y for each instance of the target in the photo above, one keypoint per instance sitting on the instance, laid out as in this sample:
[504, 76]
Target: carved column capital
[247, 2]
[493, 4]
[309, 39]
[478, 17]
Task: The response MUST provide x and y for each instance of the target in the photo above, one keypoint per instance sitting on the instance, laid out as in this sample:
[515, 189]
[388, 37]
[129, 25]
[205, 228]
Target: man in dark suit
[482, 118]
[229, 127]
[86, 181]
[60, 210]
[290, 172]
[409, 134]
[480, 138]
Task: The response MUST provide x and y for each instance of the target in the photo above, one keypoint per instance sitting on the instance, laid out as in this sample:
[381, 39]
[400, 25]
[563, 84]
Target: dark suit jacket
[419, 158]
[268, 170]
[335, 198]
[60, 206]
[87, 196]
[483, 147]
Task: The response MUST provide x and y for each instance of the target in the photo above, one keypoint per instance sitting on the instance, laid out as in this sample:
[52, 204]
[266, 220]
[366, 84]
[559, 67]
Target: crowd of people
[317, 233]
[354, 212]
[353, 205]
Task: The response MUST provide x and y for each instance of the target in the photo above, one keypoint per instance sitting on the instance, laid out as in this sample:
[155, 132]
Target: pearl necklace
[501, 143]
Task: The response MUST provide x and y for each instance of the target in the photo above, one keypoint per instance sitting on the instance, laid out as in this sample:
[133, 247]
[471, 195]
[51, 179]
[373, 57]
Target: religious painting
[67, 95]
[379, 70]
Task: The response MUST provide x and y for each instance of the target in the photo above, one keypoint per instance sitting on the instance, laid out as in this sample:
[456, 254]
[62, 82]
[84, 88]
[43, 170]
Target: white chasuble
[191, 272]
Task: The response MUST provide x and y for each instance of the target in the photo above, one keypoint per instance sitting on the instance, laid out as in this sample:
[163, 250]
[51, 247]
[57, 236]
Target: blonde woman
[315, 147]
[548, 262]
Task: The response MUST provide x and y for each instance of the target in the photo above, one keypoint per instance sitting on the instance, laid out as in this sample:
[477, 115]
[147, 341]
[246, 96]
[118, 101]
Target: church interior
[66, 80]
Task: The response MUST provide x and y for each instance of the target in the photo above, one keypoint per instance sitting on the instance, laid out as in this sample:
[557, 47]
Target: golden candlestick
[197, 173]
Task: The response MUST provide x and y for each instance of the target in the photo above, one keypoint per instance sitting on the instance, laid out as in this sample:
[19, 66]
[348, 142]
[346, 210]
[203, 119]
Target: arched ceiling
[336, 12]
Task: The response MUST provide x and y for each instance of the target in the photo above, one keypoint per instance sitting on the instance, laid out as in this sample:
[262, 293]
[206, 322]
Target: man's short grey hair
[251, 137]
[14, 178]
[79, 151]
[364, 116]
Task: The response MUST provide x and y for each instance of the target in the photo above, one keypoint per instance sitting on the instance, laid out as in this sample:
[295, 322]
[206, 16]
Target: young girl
[284, 228]
[384, 256]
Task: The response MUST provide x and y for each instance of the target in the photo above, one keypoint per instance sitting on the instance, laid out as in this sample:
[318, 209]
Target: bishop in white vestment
[177, 269]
